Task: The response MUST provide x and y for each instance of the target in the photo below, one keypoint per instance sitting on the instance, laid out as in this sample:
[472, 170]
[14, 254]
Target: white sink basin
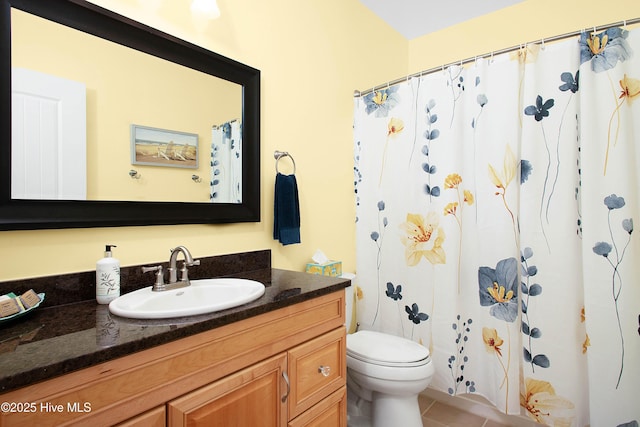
[203, 296]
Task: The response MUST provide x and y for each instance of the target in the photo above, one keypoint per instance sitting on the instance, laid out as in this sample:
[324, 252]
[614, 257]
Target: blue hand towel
[286, 213]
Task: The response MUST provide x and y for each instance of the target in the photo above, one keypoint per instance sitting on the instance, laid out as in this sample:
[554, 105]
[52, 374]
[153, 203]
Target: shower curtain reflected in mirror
[495, 211]
[226, 163]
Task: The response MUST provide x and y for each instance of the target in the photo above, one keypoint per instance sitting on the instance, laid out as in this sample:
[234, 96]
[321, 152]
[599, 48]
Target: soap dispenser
[107, 277]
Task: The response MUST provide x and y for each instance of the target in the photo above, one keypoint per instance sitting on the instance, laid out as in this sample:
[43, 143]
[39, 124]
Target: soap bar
[29, 298]
[8, 307]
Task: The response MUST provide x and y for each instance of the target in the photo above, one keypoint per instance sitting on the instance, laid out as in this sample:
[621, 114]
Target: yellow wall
[312, 55]
[525, 22]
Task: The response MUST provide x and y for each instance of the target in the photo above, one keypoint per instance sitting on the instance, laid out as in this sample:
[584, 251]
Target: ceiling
[414, 18]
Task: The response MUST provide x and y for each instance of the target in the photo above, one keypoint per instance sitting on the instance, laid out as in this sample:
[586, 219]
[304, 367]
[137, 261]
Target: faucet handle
[159, 274]
[184, 274]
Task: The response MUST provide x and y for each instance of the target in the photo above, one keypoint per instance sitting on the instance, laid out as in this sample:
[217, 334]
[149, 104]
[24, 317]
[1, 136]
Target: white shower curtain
[495, 210]
[226, 163]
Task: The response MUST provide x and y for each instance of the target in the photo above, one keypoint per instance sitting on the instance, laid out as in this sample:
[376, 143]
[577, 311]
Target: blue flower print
[540, 110]
[604, 50]
[394, 293]
[382, 101]
[570, 83]
[602, 248]
[614, 202]
[499, 289]
[614, 254]
[482, 99]
[525, 170]
[414, 314]
[226, 130]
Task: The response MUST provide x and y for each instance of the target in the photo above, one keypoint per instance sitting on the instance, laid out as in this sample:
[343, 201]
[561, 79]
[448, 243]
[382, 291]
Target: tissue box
[330, 268]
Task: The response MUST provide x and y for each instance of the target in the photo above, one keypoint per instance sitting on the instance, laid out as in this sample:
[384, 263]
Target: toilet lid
[384, 349]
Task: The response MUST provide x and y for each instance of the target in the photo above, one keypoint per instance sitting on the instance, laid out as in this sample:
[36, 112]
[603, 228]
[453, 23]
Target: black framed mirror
[25, 214]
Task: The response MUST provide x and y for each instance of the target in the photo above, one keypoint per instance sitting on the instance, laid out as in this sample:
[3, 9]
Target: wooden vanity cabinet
[282, 368]
[274, 391]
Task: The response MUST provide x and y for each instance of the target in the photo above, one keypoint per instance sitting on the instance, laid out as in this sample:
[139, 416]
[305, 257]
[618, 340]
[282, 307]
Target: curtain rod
[358, 93]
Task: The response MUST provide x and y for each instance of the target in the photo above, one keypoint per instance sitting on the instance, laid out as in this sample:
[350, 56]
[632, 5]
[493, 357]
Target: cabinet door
[153, 418]
[251, 397]
[317, 368]
[330, 412]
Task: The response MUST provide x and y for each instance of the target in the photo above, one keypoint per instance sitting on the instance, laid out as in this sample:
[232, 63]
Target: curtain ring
[542, 42]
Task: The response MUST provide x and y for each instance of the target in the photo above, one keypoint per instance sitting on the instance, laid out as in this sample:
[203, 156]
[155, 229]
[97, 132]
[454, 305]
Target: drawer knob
[325, 370]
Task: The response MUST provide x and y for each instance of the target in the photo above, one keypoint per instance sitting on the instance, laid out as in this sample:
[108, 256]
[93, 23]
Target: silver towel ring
[280, 154]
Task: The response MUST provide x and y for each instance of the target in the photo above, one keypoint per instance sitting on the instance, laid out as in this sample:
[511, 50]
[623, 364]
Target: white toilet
[385, 374]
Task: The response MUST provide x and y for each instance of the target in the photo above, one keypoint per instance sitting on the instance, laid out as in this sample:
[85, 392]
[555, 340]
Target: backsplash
[76, 287]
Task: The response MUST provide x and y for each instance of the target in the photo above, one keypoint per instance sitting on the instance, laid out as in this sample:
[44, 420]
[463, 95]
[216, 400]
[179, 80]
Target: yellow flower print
[630, 88]
[586, 344]
[380, 97]
[597, 46]
[452, 181]
[527, 54]
[509, 169]
[502, 181]
[451, 208]
[492, 341]
[498, 293]
[359, 293]
[468, 197]
[544, 406]
[394, 127]
[423, 238]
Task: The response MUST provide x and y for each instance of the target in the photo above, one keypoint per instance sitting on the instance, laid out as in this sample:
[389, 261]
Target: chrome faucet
[174, 283]
[173, 269]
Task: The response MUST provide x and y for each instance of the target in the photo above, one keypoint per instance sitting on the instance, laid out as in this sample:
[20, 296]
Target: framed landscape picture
[160, 147]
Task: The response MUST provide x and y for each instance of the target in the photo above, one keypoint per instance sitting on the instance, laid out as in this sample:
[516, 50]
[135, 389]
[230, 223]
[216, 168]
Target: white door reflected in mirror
[47, 111]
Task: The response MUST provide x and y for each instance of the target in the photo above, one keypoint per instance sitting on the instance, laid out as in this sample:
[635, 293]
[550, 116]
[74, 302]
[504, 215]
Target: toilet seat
[381, 349]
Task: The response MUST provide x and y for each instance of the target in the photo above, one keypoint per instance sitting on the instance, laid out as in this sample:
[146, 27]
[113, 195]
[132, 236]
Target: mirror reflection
[86, 112]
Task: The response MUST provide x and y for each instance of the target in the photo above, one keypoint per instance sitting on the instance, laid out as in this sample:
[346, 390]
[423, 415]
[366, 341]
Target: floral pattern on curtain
[495, 211]
[226, 163]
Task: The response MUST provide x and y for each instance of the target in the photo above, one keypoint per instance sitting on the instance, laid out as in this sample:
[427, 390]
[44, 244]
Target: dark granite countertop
[56, 340]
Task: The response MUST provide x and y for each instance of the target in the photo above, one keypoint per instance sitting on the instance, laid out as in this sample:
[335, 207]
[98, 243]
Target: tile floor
[438, 414]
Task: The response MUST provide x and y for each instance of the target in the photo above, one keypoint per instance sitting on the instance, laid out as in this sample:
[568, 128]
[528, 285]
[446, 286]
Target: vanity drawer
[330, 412]
[316, 368]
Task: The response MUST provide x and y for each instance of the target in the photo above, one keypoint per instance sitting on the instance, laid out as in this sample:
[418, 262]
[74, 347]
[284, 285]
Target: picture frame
[167, 148]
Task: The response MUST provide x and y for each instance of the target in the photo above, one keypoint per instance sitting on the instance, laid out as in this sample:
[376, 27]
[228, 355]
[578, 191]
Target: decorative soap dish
[13, 306]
